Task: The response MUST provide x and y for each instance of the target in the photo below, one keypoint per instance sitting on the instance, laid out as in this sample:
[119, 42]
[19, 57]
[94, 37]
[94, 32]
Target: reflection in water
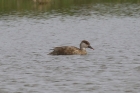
[71, 7]
[42, 7]
[42, 1]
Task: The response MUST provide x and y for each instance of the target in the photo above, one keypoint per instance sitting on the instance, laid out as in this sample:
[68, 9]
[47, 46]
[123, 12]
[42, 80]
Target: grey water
[113, 67]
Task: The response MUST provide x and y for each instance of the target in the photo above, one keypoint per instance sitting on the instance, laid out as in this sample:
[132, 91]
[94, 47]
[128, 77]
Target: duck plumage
[71, 50]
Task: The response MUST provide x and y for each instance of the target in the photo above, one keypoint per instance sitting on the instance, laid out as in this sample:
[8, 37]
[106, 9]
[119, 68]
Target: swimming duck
[71, 50]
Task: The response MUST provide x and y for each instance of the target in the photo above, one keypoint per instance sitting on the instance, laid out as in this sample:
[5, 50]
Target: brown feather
[67, 50]
[71, 50]
[86, 42]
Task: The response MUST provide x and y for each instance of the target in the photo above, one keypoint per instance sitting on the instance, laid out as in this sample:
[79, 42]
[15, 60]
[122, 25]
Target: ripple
[112, 67]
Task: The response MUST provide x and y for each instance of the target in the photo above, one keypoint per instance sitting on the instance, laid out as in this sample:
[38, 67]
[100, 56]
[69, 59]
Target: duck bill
[90, 47]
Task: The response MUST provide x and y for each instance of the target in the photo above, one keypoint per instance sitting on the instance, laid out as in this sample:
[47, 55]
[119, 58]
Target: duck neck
[81, 48]
[83, 51]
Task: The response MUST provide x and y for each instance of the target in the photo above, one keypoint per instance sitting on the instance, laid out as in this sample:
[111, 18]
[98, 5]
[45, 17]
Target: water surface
[29, 31]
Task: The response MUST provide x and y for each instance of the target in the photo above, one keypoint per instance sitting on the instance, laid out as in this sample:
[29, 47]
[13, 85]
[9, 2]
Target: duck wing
[65, 50]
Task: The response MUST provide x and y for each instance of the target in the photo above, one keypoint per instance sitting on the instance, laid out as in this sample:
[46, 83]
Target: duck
[72, 50]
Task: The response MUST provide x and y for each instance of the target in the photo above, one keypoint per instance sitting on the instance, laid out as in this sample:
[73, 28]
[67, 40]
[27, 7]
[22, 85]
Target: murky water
[113, 67]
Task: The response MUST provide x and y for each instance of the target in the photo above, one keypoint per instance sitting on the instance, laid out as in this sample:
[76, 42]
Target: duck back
[67, 50]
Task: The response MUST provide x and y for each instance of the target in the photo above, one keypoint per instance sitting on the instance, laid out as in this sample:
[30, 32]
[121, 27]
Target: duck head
[85, 44]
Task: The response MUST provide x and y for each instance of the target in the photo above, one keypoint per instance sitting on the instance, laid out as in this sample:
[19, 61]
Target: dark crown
[86, 42]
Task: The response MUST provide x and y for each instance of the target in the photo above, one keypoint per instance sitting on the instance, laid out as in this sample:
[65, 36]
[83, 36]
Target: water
[26, 38]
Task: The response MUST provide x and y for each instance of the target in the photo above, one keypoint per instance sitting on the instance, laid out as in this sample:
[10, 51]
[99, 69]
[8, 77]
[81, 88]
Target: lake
[28, 31]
